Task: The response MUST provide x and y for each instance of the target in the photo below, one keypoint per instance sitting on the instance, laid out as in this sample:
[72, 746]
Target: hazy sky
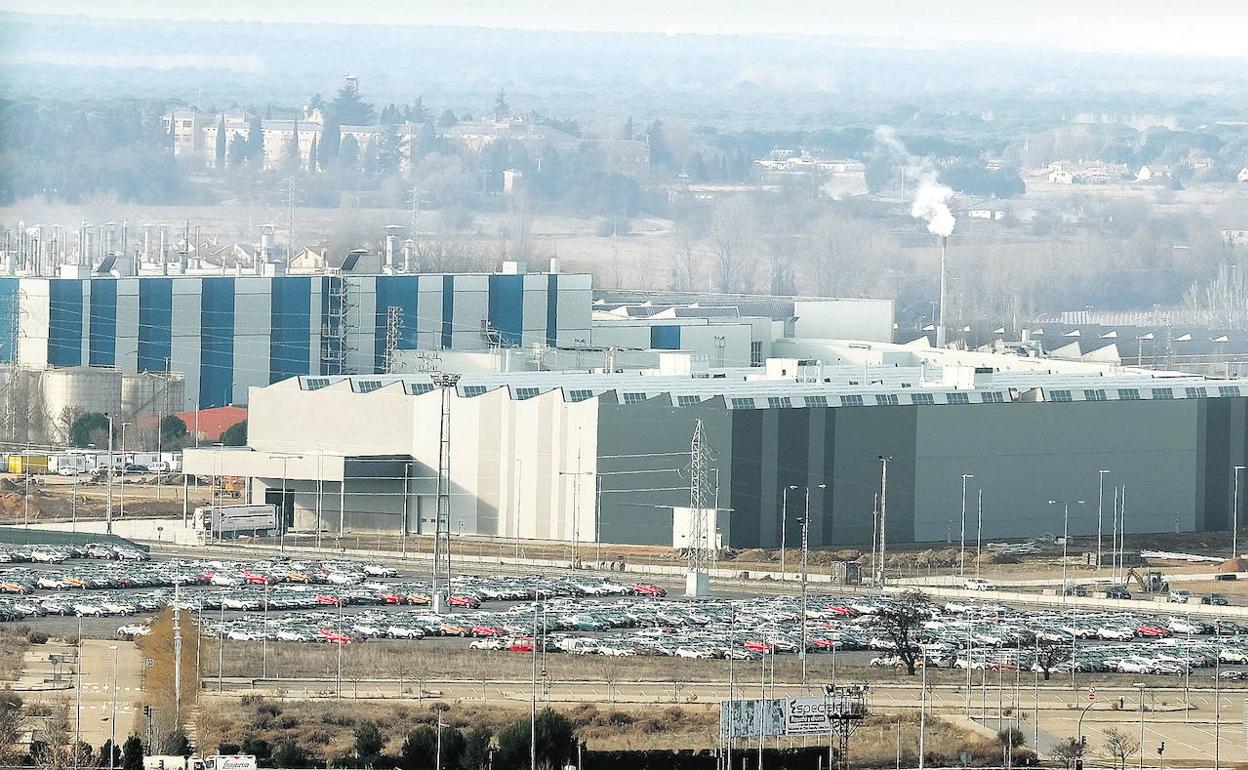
[1185, 27]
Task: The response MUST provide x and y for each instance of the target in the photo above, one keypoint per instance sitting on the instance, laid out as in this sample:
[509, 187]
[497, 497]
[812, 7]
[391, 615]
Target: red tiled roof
[213, 422]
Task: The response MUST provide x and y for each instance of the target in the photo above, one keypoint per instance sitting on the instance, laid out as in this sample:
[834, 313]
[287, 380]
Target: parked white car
[978, 584]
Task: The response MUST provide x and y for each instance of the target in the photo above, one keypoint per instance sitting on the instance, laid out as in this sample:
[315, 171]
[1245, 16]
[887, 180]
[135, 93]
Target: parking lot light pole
[805, 563]
[962, 536]
[1235, 515]
[108, 511]
[1065, 538]
[1100, 507]
[1139, 686]
[979, 530]
[784, 525]
[121, 503]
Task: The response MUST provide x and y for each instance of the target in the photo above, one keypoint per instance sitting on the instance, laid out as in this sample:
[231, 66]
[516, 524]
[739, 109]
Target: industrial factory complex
[531, 407]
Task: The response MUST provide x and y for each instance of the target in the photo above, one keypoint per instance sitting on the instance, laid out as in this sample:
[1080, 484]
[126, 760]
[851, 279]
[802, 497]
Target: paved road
[92, 713]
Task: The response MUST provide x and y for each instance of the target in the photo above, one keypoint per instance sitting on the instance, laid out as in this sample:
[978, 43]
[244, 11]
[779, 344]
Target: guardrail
[1083, 602]
[31, 536]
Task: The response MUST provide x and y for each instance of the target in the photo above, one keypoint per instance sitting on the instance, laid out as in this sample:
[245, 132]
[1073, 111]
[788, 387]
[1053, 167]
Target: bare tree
[1051, 654]
[65, 420]
[520, 229]
[451, 254]
[731, 237]
[1119, 745]
[686, 263]
[901, 620]
[52, 739]
[12, 726]
[1068, 750]
[1223, 302]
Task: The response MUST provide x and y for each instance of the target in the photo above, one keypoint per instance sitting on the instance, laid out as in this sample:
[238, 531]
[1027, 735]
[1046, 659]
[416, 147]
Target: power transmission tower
[394, 332]
[699, 550]
[442, 517]
[290, 216]
[428, 361]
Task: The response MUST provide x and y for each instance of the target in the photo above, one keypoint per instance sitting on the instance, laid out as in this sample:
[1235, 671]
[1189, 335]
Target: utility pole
[177, 656]
[108, 511]
[290, 218]
[1100, 506]
[880, 571]
[805, 563]
[442, 528]
[576, 500]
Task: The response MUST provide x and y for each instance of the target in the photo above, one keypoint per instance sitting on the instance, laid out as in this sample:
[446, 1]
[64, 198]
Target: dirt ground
[54, 498]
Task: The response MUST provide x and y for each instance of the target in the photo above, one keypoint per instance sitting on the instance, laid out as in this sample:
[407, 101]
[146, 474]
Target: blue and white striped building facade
[229, 333]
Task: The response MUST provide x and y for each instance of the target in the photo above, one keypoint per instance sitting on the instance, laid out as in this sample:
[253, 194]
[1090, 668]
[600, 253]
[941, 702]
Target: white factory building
[594, 455]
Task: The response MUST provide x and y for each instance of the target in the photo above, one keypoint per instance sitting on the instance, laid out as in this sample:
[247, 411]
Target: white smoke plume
[931, 200]
[931, 203]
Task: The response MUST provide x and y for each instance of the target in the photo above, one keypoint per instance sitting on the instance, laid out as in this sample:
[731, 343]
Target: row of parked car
[976, 637]
[57, 554]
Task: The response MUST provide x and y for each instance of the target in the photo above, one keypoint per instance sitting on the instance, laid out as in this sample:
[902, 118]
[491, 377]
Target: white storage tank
[77, 389]
[152, 393]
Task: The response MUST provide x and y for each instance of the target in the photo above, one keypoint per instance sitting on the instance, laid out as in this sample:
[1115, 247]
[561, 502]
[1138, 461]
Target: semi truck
[226, 521]
[223, 762]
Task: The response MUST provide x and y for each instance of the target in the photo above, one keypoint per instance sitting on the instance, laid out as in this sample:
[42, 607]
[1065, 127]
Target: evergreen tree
[501, 108]
[368, 743]
[132, 753]
[331, 140]
[447, 119]
[255, 142]
[629, 130]
[238, 151]
[419, 113]
[350, 109]
[476, 754]
[389, 151]
[172, 431]
[235, 435]
[660, 156]
[219, 150]
[291, 160]
[349, 153]
[84, 425]
[555, 742]
[313, 156]
[369, 157]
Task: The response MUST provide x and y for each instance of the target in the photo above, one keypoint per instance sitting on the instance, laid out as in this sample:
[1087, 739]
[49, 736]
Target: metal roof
[832, 386]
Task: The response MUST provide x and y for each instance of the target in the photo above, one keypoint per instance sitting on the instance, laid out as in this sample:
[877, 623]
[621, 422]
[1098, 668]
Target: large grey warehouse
[603, 455]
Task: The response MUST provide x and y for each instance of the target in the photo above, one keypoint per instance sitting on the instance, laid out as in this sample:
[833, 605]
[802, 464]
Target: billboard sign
[780, 716]
[745, 716]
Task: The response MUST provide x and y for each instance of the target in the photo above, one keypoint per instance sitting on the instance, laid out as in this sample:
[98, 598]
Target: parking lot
[107, 591]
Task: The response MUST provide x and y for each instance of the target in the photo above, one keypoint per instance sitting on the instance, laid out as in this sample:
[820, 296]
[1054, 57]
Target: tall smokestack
[940, 318]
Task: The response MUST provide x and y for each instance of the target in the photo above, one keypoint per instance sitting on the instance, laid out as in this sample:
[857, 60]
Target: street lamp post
[1140, 686]
[1235, 516]
[1065, 538]
[962, 537]
[121, 510]
[979, 530]
[108, 511]
[784, 524]
[1100, 507]
[805, 562]
[112, 722]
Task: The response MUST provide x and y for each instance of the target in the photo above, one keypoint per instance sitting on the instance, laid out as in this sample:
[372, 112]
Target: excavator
[1150, 582]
